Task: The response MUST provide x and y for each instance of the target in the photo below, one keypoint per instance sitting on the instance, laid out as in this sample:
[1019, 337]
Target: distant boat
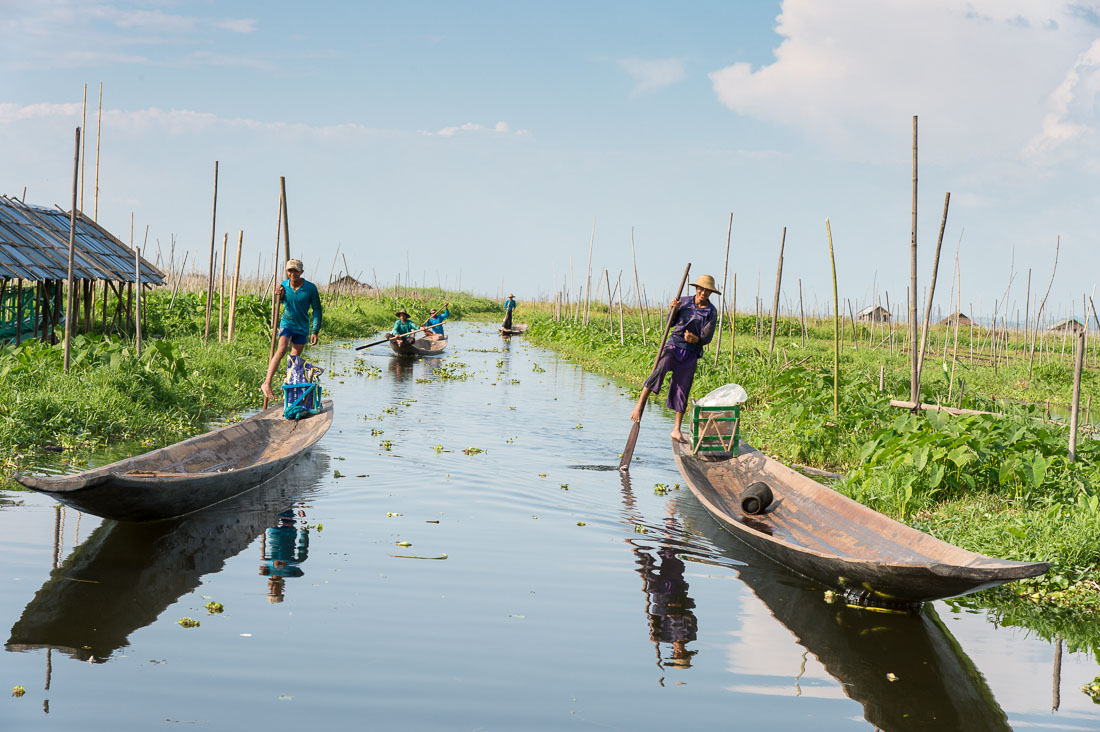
[419, 347]
[826, 536]
[516, 329]
[189, 475]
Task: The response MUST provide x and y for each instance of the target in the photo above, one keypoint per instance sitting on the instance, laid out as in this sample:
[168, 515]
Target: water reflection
[401, 367]
[907, 670]
[123, 576]
[283, 548]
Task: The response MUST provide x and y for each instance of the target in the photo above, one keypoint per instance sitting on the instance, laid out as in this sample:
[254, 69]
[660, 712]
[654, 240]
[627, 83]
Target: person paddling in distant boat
[692, 328]
[296, 326]
[509, 308]
[435, 320]
[403, 327]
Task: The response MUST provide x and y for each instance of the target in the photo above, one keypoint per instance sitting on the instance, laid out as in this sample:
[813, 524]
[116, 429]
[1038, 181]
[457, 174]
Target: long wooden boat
[419, 347]
[826, 536]
[189, 475]
[516, 329]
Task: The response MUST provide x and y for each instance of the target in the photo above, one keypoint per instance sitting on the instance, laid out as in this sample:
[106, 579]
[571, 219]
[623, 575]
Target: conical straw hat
[706, 282]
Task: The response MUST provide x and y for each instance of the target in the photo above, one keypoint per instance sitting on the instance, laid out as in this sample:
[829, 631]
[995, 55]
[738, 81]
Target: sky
[474, 144]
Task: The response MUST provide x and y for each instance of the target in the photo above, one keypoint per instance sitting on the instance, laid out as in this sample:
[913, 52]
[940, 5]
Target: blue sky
[478, 140]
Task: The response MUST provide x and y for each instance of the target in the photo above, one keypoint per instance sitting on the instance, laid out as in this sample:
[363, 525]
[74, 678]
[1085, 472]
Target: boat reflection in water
[906, 669]
[125, 575]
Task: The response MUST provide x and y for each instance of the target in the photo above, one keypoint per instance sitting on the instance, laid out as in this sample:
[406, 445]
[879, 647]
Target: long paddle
[628, 451]
[384, 340]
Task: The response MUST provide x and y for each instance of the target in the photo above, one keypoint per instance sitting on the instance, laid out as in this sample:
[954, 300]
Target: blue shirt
[691, 317]
[400, 328]
[510, 304]
[437, 320]
[298, 304]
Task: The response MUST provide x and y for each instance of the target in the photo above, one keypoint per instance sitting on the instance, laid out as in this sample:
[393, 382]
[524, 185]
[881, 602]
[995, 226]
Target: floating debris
[18, 691]
[473, 450]
[188, 623]
[214, 607]
[413, 556]
[404, 543]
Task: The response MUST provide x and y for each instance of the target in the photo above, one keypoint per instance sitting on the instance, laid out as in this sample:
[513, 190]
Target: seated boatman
[692, 328]
[403, 328]
[435, 320]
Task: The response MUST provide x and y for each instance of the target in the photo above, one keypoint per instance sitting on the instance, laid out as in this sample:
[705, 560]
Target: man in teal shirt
[300, 296]
[435, 320]
[404, 327]
[509, 306]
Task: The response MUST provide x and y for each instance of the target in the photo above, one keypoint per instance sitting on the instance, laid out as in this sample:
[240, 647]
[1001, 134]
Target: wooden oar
[628, 451]
[384, 340]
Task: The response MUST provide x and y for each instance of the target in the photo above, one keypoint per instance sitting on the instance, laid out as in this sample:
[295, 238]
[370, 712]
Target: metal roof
[34, 245]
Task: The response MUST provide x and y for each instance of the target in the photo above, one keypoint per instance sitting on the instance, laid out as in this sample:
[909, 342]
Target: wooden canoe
[419, 347]
[826, 536]
[189, 475]
[516, 329]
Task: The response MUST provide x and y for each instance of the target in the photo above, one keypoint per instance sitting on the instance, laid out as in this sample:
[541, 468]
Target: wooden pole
[637, 287]
[619, 288]
[83, 142]
[775, 298]
[733, 321]
[610, 316]
[213, 238]
[137, 314]
[18, 310]
[1042, 304]
[1075, 407]
[286, 223]
[233, 289]
[722, 297]
[931, 290]
[801, 313]
[275, 278]
[221, 289]
[72, 248]
[98, 128]
[836, 324]
[588, 275]
[914, 384]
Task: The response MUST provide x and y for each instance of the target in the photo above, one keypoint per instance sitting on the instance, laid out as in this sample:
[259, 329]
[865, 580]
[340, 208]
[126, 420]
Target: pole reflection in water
[283, 548]
[125, 574]
[905, 669]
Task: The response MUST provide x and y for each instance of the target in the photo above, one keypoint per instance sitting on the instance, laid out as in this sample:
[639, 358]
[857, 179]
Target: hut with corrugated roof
[1070, 325]
[34, 266]
[875, 314]
[951, 319]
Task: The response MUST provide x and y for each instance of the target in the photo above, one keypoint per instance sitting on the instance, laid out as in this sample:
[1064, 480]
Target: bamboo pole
[619, 289]
[1042, 304]
[775, 298]
[722, 295]
[286, 224]
[83, 142]
[1076, 405]
[588, 275]
[914, 375]
[72, 248]
[137, 304]
[610, 316]
[836, 323]
[275, 278]
[932, 291]
[733, 321]
[98, 129]
[637, 287]
[179, 278]
[801, 313]
[958, 314]
[221, 289]
[233, 289]
[213, 237]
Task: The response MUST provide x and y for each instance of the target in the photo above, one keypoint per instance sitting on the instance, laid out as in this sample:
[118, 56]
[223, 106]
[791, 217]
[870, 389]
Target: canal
[458, 554]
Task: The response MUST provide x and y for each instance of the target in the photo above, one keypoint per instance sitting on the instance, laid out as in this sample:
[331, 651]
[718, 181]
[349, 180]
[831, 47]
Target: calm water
[566, 599]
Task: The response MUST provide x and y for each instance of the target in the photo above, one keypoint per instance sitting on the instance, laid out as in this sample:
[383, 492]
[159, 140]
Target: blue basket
[301, 400]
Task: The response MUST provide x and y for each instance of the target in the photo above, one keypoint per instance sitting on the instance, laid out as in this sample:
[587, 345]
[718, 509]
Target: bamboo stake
[733, 321]
[722, 296]
[836, 322]
[958, 314]
[637, 287]
[932, 291]
[801, 313]
[610, 317]
[286, 224]
[98, 128]
[83, 142]
[588, 275]
[1076, 395]
[213, 236]
[221, 288]
[775, 298]
[233, 289]
[619, 289]
[137, 304]
[72, 248]
[1042, 304]
[275, 279]
[914, 374]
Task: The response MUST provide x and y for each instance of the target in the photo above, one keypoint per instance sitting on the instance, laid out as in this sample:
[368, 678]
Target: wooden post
[221, 289]
[619, 288]
[18, 310]
[286, 224]
[1074, 408]
[588, 275]
[836, 322]
[637, 287]
[137, 315]
[733, 320]
[801, 313]
[275, 280]
[210, 277]
[72, 247]
[775, 298]
[914, 376]
[931, 293]
[98, 128]
[722, 296]
[610, 317]
[233, 289]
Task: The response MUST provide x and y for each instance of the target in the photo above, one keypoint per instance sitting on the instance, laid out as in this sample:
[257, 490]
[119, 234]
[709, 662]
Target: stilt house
[34, 266]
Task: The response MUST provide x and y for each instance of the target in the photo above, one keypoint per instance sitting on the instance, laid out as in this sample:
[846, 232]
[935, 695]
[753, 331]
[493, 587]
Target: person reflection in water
[671, 619]
[283, 548]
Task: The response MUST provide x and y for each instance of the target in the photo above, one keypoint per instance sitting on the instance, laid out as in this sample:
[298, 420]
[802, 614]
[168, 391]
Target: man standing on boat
[693, 323]
[403, 327]
[509, 306]
[435, 320]
[296, 325]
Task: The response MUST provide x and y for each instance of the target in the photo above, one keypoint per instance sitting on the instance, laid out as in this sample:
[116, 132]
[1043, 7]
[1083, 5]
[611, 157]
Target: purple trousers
[681, 364]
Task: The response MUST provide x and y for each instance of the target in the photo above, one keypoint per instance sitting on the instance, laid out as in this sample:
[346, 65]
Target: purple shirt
[699, 321]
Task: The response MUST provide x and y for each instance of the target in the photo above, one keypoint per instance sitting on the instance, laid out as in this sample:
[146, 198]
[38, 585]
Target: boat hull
[190, 475]
[825, 536]
[419, 347]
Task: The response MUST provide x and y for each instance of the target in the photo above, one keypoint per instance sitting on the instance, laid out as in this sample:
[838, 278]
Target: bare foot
[266, 389]
[677, 436]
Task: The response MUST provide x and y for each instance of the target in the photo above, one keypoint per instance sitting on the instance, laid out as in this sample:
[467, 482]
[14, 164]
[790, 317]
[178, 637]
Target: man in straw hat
[509, 308]
[435, 321]
[296, 325]
[692, 328]
[403, 327]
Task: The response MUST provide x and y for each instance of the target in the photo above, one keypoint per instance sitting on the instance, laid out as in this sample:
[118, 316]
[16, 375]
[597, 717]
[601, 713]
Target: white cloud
[987, 78]
[476, 127]
[653, 74]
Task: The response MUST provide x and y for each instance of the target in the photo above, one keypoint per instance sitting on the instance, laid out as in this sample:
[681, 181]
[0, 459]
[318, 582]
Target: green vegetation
[112, 399]
[999, 485]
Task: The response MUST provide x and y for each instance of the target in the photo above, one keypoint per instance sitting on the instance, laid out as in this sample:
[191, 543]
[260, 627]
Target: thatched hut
[961, 318]
[1070, 325]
